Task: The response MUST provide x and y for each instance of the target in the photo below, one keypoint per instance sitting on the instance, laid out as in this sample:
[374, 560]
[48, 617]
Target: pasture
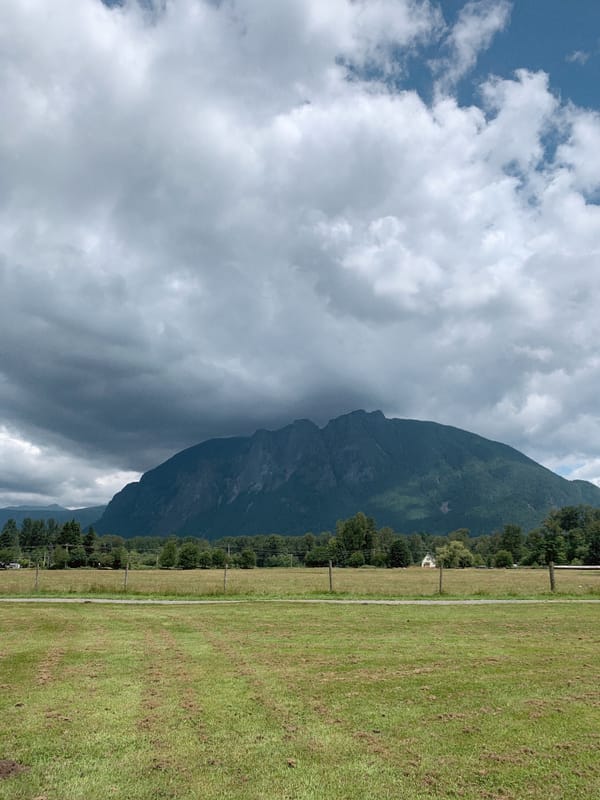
[300, 582]
[283, 701]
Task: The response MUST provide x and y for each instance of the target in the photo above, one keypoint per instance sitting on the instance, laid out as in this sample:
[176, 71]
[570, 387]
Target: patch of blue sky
[566, 470]
[559, 37]
[592, 198]
[555, 36]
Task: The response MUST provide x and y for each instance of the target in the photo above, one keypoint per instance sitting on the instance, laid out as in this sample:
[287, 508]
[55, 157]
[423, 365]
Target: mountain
[84, 516]
[411, 475]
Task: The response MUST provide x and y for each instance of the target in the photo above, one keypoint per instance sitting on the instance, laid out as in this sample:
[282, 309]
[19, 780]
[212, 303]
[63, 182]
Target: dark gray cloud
[206, 228]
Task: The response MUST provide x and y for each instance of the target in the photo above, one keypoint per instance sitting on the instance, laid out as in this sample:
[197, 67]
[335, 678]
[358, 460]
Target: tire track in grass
[258, 653]
[32, 670]
[50, 732]
[185, 751]
[155, 714]
[301, 740]
[192, 715]
[168, 708]
[77, 729]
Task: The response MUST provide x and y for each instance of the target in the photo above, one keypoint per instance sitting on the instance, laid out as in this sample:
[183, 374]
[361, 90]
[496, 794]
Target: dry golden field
[299, 582]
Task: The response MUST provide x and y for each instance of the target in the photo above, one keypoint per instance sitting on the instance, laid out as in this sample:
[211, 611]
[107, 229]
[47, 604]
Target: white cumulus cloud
[222, 215]
[477, 24]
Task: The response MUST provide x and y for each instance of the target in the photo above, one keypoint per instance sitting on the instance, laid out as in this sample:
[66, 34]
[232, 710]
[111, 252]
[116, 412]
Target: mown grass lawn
[300, 701]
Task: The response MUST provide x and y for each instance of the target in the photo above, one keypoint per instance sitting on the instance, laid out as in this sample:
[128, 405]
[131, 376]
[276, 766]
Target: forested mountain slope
[411, 475]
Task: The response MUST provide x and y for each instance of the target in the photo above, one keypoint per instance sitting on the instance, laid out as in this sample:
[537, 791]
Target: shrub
[356, 559]
[503, 559]
[188, 556]
[317, 557]
[454, 555]
[219, 558]
[247, 559]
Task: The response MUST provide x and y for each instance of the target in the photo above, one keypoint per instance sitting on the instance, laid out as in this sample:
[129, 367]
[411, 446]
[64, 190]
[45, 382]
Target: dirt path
[332, 601]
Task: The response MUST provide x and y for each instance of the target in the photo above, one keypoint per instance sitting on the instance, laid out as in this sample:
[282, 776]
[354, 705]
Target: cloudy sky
[218, 215]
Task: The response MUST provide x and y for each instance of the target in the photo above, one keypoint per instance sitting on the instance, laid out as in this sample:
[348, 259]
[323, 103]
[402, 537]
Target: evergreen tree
[52, 532]
[593, 552]
[9, 541]
[400, 553]
[511, 539]
[70, 534]
[90, 541]
[39, 534]
[417, 546]
[25, 535]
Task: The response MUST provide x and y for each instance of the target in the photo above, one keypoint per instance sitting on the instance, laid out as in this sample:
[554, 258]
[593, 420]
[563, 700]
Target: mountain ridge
[410, 474]
[84, 516]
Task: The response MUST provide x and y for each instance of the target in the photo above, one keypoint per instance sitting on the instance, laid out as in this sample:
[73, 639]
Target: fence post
[330, 576]
[37, 575]
[441, 587]
[551, 573]
[225, 579]
[126, 575]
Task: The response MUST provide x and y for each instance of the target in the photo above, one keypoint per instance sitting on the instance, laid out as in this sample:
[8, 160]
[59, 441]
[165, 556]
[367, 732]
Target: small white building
[428, 561]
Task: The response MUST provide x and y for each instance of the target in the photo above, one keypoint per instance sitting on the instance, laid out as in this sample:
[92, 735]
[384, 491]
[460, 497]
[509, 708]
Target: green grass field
[290, 701]
[298, 582]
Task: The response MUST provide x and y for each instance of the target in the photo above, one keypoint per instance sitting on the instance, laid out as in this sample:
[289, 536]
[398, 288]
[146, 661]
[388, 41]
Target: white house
[428, 561]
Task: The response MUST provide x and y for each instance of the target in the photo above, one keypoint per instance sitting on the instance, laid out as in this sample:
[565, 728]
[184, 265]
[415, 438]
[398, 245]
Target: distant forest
[570, 535]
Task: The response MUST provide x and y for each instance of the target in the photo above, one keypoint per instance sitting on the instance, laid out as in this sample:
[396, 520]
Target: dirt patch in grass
[8, 768]
[48, 667]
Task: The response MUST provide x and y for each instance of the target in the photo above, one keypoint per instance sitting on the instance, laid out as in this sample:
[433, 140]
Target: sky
[220, 215]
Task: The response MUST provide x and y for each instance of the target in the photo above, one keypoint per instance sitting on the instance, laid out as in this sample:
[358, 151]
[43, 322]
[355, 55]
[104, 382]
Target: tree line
[570, 535]
[50, 544]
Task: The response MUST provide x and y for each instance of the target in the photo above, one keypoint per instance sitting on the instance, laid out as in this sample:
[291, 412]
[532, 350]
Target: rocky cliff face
[408, 474]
